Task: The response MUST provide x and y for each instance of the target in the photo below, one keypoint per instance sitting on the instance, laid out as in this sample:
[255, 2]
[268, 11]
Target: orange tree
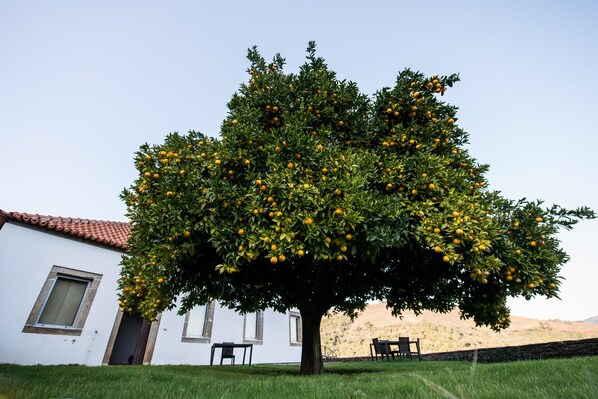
[319, 198]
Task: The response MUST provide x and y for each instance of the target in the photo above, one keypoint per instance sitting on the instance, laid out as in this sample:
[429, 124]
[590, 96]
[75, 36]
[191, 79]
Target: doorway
[129, 340]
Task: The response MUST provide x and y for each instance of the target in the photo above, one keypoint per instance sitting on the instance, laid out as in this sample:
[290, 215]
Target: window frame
[32, 324]
[259, 328]
[207, 327]
[295, 322]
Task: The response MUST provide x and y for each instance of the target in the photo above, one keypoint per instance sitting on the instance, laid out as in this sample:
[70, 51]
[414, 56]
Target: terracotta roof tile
[112, 234]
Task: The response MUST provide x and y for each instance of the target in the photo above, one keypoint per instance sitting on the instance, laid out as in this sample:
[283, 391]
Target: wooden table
[389, 343]
[223, 345]
[416, 342]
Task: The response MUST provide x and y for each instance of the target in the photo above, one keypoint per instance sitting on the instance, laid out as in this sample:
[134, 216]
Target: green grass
[561, 378]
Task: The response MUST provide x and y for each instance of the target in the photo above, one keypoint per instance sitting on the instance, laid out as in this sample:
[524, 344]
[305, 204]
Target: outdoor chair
[228, 352]
[405, 348]
[382, 349]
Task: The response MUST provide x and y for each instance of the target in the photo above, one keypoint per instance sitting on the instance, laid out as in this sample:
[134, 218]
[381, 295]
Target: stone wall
[548, 350]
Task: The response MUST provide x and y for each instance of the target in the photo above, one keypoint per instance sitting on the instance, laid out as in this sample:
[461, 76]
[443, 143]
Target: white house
[59, 305]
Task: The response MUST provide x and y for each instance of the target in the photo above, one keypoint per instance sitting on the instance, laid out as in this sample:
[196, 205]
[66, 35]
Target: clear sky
[84, 84]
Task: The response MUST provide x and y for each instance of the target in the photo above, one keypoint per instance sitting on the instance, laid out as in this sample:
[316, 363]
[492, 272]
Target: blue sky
[84, 84]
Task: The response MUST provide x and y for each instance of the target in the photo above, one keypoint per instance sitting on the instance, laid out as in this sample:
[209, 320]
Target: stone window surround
[76, 329]
[293, 314]
[209, 321]
[259, 339]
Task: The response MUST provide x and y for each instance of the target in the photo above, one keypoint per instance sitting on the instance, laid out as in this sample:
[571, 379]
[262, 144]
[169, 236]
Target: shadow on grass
[340, 369]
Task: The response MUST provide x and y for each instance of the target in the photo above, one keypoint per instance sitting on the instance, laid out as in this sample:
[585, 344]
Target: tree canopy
[321, 198]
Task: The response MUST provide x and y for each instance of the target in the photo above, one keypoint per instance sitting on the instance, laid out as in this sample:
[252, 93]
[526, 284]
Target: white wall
[26, 257]
[227, 327]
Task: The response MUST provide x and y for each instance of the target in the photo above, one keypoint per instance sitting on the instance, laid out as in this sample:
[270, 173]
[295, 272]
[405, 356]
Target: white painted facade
[28, 254]
[228, 327]
[26, 257]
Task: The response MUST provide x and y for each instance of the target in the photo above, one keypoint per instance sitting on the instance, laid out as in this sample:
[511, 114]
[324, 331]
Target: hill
[342, 337]
[593, 320]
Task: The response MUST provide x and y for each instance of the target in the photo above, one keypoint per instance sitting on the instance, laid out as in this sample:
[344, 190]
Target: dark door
[131, 340]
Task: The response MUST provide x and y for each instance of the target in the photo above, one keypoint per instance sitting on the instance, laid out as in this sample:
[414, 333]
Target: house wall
[227, 327]
[26, 257]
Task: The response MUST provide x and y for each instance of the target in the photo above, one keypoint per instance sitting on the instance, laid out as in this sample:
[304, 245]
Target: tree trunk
[311, 351]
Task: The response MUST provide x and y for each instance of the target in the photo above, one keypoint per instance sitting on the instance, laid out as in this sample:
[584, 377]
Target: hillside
[440, 332]
[593, 320]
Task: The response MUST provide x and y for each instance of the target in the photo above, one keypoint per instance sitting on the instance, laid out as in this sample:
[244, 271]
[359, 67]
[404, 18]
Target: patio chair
[405, 348]
[228, 352]
[381, 349]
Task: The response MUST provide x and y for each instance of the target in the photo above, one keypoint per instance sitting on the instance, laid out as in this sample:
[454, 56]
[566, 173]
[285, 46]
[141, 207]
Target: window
[198, 323]
[295, 329]
[63, 303]
[253, 327]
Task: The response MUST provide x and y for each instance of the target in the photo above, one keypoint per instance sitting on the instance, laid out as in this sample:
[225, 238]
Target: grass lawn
[560, 378]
